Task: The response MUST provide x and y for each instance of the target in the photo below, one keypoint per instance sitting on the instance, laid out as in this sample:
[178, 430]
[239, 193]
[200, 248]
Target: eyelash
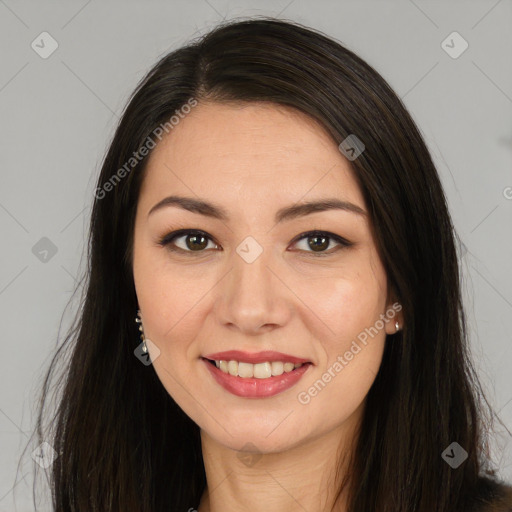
[167, 240]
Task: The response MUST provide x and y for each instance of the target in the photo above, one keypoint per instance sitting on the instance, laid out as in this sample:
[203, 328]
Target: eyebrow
[287, 213]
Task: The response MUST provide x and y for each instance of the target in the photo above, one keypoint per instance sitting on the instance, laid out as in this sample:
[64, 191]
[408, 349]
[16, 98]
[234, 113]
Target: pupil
[322, 245]
[193, 239]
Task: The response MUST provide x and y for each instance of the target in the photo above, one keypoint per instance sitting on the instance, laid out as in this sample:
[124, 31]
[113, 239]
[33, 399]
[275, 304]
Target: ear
[394, 314]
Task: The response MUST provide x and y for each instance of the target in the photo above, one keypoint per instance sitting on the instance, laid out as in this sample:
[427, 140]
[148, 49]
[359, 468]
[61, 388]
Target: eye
[197, 241]
[193, 241]
[320, 241]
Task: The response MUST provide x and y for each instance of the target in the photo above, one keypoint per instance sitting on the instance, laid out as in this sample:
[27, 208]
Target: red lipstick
[254, 387]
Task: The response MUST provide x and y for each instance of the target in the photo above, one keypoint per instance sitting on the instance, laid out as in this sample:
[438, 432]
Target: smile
[258, 371]
[256, 380]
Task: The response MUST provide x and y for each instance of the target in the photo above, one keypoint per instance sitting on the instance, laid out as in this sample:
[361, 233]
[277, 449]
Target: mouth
[269, 375]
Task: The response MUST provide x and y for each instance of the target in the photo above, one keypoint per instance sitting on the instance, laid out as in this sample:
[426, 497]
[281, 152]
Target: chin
[252, 441]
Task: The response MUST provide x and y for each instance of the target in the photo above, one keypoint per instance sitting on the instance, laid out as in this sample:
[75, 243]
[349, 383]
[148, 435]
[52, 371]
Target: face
[254, 272]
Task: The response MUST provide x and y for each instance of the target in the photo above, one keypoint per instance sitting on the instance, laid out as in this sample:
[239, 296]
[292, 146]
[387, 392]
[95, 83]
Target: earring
[397, 326]
[138, 320]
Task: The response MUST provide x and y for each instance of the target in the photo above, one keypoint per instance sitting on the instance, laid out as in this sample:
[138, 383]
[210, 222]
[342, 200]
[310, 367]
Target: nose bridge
[252, 296]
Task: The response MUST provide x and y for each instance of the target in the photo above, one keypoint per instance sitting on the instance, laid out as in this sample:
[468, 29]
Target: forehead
[254, 151]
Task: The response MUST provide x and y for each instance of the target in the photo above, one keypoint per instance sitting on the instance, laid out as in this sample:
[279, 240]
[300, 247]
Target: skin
[253, 159]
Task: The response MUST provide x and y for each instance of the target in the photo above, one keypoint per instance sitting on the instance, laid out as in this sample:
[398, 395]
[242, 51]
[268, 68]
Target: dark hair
[117, 430]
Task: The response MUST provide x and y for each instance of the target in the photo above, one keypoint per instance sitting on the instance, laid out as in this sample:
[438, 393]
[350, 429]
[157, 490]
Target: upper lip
[254, 357]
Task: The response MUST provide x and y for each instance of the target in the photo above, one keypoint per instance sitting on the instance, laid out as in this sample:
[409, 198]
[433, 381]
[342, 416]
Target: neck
[307, 476]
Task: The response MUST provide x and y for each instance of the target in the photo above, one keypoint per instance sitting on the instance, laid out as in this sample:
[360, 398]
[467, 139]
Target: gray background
[58, 115]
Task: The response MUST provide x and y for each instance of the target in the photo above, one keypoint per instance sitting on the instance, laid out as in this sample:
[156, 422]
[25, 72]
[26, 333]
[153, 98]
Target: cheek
[173, 316]
[173, 312]
[356, 337]
[351, 347]
[345, 303]
[352, 339]
[170, 295]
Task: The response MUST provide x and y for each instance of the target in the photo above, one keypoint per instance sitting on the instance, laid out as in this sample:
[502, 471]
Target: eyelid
[166, 241]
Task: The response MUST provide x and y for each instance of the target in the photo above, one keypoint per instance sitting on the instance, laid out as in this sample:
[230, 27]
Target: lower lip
[256, 388]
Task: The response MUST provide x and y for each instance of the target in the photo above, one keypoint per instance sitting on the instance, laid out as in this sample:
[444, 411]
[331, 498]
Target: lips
[240, 380]
[256, 388]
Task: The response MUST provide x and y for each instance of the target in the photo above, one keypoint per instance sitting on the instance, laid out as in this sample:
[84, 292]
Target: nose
[253, 297]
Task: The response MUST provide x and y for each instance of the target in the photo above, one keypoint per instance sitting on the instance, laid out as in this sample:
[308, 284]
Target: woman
[269, 217]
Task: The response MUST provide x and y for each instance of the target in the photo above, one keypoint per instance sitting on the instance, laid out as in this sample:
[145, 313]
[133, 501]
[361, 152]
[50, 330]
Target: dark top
[492, 496]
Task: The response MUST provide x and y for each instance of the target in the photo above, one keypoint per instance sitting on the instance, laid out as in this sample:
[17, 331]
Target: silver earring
[138, 320]
[397, 326]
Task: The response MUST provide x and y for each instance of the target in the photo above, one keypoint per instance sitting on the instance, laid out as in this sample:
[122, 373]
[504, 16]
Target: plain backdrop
[57, 116]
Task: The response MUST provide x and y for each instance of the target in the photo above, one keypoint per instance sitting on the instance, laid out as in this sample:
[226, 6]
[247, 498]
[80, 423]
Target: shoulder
[492, 496]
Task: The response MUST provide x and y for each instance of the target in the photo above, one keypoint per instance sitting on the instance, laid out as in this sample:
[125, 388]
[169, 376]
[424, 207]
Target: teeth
[277, 368]
[233, 368]
[288, 367]
[262, 370]
[245, 370]
[258, 371]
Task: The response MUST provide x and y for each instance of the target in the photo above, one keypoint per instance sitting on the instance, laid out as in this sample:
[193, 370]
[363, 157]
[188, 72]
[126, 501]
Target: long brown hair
[123, 443]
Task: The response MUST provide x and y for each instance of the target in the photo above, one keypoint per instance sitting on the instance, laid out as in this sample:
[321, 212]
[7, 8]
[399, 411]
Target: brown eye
[319, 241]
[196, 242]
[186, 241]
